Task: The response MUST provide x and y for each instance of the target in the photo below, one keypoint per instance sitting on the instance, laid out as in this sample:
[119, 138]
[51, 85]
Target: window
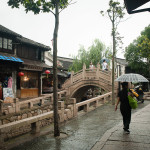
[9, 44]
[37, 54]
[42, 55]
[1, 44]
[4, 43]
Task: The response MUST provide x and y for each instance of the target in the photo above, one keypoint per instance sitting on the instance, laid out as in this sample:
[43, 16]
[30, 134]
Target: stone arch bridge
[80, 82]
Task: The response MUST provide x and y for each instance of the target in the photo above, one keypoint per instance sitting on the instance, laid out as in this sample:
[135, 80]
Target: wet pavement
[138, 139]
[85, 132]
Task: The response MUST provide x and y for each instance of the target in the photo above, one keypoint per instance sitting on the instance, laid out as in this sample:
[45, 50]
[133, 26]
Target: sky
[80, 24]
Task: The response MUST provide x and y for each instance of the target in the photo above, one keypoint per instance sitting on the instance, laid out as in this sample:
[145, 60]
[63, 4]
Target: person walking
[104, 65]
[125, 108]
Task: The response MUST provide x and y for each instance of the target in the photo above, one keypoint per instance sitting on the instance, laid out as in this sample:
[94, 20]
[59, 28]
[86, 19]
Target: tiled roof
[7, 31]
[22, 39]
[33, 43]
[121, 61]
[35, 63]
[66, 62]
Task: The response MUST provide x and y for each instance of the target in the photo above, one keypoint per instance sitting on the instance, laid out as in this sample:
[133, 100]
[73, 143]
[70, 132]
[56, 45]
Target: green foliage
[94, 54]
[137, 53]
[38, 5]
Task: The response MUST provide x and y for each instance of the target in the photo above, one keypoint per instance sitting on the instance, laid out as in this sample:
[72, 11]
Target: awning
[131, 5]
[10, 58]
[33, 65]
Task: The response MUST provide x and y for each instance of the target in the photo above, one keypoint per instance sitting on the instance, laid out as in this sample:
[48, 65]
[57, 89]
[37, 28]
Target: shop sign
[8, 95]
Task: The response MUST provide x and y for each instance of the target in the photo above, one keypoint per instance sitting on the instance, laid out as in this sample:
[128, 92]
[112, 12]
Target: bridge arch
[86, 78]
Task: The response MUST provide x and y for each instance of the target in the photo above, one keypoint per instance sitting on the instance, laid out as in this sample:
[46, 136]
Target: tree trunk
[113, 61]
[55, 80]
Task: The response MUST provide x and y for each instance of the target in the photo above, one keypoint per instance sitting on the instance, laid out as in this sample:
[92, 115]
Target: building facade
[21, 65]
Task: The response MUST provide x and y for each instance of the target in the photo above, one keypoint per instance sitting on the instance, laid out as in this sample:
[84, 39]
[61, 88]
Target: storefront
[29, 84]
[8, 76]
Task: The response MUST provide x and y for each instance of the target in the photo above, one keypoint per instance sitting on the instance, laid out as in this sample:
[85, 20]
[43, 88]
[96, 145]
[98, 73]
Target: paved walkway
[138, 139]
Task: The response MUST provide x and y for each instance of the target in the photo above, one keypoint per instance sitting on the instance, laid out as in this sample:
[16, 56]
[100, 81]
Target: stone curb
[100, 144]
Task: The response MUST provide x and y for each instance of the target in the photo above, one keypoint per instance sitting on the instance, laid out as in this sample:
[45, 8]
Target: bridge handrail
[93, 99]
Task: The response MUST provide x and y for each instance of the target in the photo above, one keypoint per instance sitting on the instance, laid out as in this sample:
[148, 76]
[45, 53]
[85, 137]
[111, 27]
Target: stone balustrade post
[97, 71]
[83, 73]
[35, 127]
[73, 102]
[30, 104]
[71, 77]
[86, 108]
[96, 103]
[51, 97]
[62, 111]
[42, 101]
[59, 96]
[17, 105]
[1, 106]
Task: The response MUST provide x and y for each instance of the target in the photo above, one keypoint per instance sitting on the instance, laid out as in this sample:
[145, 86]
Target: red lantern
[20, 74]
[47, 72]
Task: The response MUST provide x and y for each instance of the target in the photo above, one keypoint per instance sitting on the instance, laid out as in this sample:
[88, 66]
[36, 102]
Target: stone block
[60, 105]
[11, 110]
[29, 115]
[5, 121]
[24, 116]
[44, 111]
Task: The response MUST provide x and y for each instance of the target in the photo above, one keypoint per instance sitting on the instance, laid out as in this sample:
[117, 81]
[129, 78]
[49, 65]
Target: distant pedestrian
[91, 66]
[104, 65]
[125, 108]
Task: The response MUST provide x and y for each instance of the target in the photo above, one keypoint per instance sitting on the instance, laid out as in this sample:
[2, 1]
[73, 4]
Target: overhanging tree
[115, 13]
[46, 6]
[138, 53]
[94, 54]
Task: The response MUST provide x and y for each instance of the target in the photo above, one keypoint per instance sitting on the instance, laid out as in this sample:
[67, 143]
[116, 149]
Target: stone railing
[17, 105]
[34, 123]
[96, 100]
[84, 74]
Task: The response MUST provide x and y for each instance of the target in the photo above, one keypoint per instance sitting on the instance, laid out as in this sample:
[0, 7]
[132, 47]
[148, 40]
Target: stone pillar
[59, 96]
[97, 71]
[17, 105]
[42, 101]
[96, 103]
[1, 106]
[72, 73]
[86, 108]
[35, 127]
[73, 102]
[83, 73]
[14, 83]
[61, 108]
[30, 105]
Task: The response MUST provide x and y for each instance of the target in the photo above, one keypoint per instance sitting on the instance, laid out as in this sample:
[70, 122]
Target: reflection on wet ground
[83, 131]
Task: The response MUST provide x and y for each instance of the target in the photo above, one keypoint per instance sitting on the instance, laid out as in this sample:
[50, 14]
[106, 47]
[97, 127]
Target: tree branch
[67, 5]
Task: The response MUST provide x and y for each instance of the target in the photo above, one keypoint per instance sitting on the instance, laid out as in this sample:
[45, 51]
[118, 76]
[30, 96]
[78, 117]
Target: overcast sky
[80, 24]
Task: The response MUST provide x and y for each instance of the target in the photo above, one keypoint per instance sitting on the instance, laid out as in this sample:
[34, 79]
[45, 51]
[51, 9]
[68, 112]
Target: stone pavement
[138, 139]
